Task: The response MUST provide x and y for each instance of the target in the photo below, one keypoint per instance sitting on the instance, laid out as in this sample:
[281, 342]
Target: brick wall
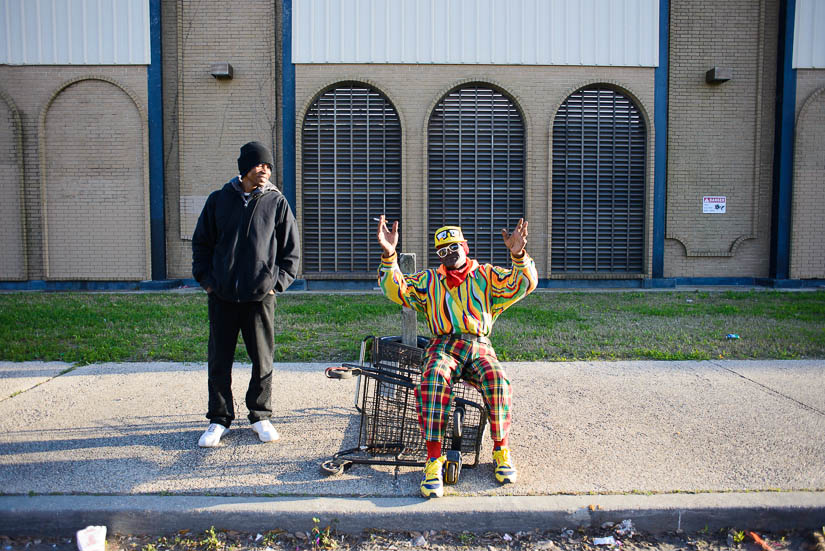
[206, 120]
[414, 90]
[720, 137]
[808, 203]
[90, 150]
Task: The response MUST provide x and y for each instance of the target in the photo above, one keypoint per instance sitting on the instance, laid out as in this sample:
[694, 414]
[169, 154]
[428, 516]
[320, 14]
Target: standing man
[245, 250]
[461, 300]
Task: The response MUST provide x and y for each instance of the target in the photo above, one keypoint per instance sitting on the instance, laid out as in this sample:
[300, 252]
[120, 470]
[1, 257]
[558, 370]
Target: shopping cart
[389, 433]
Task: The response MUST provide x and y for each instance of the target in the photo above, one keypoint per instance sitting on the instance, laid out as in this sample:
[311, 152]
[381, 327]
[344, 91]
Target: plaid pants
[446, 362]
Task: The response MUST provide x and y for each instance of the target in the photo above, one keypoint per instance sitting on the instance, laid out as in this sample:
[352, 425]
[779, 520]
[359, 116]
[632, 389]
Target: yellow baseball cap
[447, 235]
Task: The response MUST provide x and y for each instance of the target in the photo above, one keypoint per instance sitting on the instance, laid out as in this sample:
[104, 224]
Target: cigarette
[376, 219]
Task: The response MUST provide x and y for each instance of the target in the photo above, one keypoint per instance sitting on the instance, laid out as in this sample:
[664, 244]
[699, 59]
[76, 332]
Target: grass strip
[311, 327]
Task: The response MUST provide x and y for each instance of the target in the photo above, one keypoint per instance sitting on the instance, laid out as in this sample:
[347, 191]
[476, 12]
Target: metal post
[409, 334]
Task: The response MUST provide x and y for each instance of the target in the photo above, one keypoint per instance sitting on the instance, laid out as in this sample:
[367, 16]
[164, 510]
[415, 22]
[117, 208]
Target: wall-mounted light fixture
[718, 75]
[221, 70]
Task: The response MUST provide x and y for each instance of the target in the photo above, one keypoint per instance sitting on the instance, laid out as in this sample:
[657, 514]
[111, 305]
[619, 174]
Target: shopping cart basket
[389, 433]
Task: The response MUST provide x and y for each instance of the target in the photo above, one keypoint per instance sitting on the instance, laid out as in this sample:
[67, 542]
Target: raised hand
[517, 240]
[388, 239]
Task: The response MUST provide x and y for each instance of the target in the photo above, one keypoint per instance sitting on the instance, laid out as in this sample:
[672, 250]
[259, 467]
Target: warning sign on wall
[713, 204]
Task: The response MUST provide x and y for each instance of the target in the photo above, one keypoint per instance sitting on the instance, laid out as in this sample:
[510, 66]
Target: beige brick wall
[414, 90]
[113, 109]
[720, 137]
[808, 203]
[12, 228]
[206, 119]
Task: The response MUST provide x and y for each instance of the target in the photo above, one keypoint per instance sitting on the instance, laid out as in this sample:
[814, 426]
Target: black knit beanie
[253, 154]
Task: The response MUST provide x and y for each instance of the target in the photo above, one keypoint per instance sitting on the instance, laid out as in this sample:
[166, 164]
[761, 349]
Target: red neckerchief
[454, 278]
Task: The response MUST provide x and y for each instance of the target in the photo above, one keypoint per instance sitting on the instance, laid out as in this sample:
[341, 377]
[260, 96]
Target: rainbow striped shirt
[472, 307]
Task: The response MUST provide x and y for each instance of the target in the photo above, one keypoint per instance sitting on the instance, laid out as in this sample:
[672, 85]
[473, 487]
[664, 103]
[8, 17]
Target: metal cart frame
[385, 398]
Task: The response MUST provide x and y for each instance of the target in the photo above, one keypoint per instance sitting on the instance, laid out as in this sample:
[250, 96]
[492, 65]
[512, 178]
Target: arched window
[351, 173]
[475, 151]
[599, 144]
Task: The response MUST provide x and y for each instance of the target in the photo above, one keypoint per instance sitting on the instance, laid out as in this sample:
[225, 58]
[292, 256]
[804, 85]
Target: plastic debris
[420, 541]
[259, 537]
[92, 538]
[507, 537]
[609, 540]
[760, 542]
[731, 336]
[625, 528]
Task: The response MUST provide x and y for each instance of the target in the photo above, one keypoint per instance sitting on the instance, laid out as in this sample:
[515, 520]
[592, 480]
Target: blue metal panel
[783, 145]
[660, 99]
[156, 183]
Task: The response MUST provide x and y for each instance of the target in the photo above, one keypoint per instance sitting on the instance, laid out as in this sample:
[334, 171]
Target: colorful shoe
[505, 470]
[432, 485]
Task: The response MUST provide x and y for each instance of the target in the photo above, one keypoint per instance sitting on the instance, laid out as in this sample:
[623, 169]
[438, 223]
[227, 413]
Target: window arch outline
[516, 103]
[42, 145]
[647, 127]
[372, 253]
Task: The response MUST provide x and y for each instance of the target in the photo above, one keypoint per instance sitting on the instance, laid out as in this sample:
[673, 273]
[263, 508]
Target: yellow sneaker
[505, 470]
[432, 485]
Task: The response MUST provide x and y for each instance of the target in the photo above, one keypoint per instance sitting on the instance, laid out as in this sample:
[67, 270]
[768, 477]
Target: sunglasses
[443, 234]
[444, 251]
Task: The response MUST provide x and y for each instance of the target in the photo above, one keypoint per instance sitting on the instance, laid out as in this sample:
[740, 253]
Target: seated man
[460, 299]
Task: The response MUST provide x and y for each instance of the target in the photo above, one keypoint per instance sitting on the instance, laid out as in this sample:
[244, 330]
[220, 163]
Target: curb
[654, 514]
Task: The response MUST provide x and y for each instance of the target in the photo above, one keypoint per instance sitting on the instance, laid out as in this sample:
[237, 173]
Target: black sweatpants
[254, 320]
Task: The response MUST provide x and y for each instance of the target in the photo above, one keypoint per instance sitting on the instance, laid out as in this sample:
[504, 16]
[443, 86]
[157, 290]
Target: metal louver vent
[599, 144]
[476, 169]
[351, 172]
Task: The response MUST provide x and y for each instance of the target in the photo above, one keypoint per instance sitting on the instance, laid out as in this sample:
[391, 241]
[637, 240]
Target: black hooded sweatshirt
[241, 248]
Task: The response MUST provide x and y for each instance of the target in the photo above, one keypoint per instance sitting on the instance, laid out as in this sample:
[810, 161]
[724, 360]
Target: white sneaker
[266, 432]
[212, 436]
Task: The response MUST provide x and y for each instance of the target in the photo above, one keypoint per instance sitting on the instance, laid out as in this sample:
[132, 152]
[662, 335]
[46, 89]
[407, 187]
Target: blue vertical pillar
[155, 113]
[783, 144]
[288, 106]
[660, 96]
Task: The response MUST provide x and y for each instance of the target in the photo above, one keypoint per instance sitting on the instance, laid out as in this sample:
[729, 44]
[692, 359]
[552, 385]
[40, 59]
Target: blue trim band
[783, 145]
[321, 285]
[660, 97]
[157, 193]
[288, 106]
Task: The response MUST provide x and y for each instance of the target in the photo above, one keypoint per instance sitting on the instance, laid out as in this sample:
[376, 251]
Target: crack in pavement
[769, 389]
[46, 380]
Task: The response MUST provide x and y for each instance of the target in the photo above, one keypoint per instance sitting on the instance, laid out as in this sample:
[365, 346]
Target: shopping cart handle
[341, 372]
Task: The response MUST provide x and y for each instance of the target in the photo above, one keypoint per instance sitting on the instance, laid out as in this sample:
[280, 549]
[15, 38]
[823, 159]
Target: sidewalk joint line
[769, 389]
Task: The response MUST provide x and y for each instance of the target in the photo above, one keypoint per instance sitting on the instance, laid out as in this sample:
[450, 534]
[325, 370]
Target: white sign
[713, 204]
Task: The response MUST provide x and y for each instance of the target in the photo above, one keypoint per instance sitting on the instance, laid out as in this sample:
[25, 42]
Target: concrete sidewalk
[668, 444]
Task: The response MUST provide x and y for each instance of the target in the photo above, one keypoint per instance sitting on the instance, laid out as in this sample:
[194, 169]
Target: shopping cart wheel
[334, 466]
[341, 372]
[458, 422]
[452, 467]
